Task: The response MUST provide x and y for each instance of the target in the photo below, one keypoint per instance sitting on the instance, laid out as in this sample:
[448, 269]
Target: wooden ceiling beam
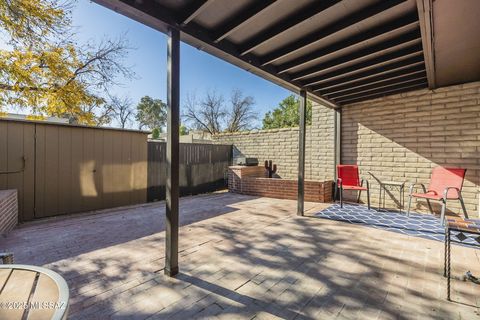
[415, 70]
[317, 35]
[286, 24]
[378, 62]
[383, 48]
[425, 16]
[242, 18]
[197, 7]
[382, 93]
[409, 78]
[402, 25]
[341, 80]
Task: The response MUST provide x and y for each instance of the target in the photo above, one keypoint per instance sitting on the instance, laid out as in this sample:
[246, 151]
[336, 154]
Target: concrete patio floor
[247, 258]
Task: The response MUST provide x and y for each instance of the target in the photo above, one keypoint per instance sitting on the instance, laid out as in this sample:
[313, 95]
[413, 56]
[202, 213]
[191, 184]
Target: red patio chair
[445, 184]
[348, 179]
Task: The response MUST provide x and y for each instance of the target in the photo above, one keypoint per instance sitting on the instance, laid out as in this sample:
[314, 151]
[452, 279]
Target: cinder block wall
[402, 137]
[281, 146]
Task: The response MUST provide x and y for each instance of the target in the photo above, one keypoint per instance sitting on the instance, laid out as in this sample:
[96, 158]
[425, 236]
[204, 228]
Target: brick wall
[281, 146]
[237, 173]
[8, 210]
[402, 137]
[252, 181]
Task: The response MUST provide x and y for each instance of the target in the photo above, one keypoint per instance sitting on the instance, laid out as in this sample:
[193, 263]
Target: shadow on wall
[403, 137]
[89, 185]
[237, 153]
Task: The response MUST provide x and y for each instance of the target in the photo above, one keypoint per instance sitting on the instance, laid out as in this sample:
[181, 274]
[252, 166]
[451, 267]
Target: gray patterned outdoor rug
[417, 225]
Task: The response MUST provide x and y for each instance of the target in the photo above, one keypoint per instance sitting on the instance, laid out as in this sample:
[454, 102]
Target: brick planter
[253, 181]
[8, 210]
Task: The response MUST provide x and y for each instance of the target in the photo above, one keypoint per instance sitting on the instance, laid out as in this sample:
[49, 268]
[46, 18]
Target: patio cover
[336, 52]
[340, 51]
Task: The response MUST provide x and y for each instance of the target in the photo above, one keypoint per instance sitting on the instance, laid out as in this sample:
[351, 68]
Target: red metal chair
[445, 184]
[349, 179]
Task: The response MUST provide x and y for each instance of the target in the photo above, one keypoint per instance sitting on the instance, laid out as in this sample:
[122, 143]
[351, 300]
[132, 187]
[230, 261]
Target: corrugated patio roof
[339, 51]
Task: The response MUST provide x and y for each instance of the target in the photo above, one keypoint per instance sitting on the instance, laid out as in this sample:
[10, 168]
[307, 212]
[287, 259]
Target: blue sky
[200, 71]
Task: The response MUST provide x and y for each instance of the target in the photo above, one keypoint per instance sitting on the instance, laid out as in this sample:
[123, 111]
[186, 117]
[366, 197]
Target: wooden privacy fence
[203, 168]
[59, 169]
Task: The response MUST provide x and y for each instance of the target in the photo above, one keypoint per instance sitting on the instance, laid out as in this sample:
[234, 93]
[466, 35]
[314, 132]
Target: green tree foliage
[155, 133]
[183, 130]
[151, 113]
[286, 114]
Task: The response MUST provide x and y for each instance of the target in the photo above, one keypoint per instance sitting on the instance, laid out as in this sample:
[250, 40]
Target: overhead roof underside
[340, 51]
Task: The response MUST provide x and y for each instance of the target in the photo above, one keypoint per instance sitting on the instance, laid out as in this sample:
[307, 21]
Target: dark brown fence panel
[203, 168]
[157, 171]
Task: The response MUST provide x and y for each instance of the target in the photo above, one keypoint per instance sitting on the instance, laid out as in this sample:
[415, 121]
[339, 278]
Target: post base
[171, 272]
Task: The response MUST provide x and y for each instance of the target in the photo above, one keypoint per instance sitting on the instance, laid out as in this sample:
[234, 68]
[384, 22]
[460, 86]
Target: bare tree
[103, 113]
[208, 114]
[240, 115]
[122, 110]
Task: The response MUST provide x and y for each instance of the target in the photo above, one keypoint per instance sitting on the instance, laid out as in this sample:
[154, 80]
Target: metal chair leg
[359, 192]
[341, 197]
[409, 204]
[368, 197]
[448, 264]
[465, 214]
[335, 193]
[400, 200]
[384, 198]
[445, 254]
[442, 215]
[380, 198]
[430, 206]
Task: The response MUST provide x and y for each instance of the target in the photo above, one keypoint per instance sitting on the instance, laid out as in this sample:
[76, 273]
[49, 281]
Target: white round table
[31, 292]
